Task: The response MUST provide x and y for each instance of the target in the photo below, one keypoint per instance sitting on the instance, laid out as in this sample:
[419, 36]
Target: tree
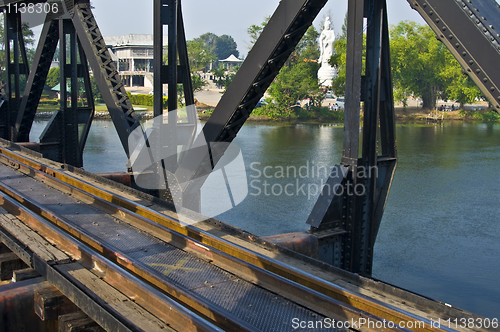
[225, 46]
[255, 30]
[28, 37]
[460, 87]
[338, 60]
[418, 62]
[298, 79]
[219, 74]
[219, 46]
[199, 56]
[210, 41]
[53, 77]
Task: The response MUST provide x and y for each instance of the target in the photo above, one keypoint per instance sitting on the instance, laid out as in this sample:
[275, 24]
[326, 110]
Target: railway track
[182, 274]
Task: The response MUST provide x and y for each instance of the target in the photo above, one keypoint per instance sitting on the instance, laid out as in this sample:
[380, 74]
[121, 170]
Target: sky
[231, 17]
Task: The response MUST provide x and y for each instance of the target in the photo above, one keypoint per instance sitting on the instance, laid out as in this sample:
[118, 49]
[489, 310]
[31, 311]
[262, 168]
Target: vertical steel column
[64, 138]
[372, 90]
[169, 13]
[13, 69]
[105, 73]
[36, 81]
[68, 69]
[354, 62]
[346, 222]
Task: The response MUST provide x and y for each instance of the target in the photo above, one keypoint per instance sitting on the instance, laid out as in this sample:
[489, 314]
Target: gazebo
[230, 62]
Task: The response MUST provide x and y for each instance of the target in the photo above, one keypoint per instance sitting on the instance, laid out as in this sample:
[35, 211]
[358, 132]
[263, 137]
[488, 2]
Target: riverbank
[403, 115]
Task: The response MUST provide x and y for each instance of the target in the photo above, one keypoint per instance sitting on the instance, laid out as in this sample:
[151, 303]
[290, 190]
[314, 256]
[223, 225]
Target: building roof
[132, 40]
[231, 58]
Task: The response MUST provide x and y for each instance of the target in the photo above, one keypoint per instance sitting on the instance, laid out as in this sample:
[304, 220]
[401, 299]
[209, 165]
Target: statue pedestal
[326, 74]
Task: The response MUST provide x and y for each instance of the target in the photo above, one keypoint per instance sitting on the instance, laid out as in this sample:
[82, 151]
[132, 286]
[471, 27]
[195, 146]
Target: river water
[440, 234]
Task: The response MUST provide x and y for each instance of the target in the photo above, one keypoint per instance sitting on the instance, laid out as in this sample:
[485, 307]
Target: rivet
[485, 80]
[464, 53]
[450, 37]
[492, 89]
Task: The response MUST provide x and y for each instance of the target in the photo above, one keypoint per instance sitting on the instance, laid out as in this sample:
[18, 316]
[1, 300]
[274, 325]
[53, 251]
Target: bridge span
[120, 255]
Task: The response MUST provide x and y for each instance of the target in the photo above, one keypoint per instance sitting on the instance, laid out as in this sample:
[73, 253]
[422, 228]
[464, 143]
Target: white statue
[326, 39]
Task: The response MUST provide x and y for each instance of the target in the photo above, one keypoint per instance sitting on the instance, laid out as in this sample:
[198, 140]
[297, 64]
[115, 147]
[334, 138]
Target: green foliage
[53, 77]
[198, 53]
[419, 63]
[460, 86]
[298, 113]
[219, 74]
[219, 46]
[28, 37]
[338, 60]
[226, 46]
[224, 78]
[491, 115]
[95, 89]
[421, 67]
[145, 100]
[297, 80]
[255, 30]
[198, 83]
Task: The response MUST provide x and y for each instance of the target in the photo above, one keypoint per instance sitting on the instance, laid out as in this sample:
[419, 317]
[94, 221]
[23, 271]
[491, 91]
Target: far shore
[403, 115]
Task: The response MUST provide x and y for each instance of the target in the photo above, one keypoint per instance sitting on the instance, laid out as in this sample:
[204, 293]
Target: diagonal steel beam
[286, 27]
[105, 73]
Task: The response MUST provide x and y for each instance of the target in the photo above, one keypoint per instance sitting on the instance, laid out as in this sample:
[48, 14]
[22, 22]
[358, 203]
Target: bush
[491, 115]
[145, 100]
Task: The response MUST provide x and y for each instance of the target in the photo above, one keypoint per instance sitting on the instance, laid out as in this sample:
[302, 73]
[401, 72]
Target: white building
[133, 57]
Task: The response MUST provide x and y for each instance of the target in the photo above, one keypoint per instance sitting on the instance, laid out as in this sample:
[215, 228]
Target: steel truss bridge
[118, 254]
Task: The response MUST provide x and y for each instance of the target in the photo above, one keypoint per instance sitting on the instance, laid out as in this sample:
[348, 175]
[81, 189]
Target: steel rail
[254, 266]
